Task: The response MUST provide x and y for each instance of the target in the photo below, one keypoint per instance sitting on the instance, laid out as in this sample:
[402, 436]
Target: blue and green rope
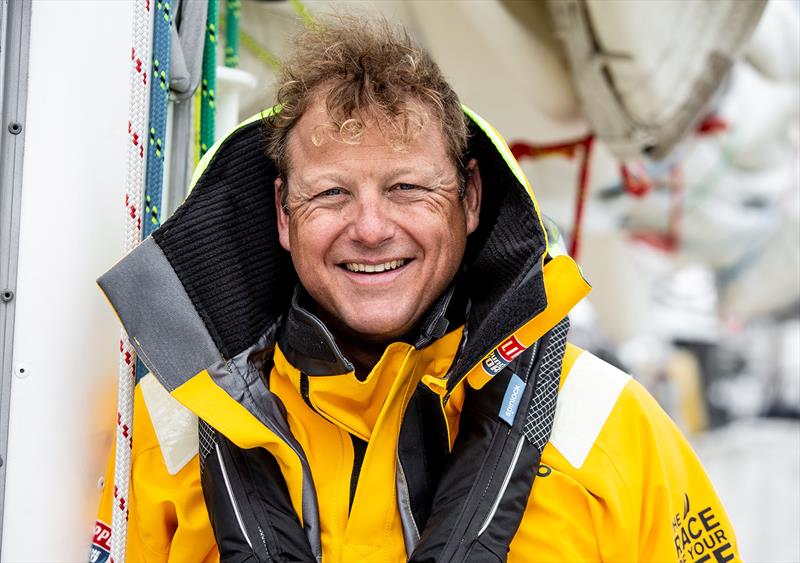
[159, 102]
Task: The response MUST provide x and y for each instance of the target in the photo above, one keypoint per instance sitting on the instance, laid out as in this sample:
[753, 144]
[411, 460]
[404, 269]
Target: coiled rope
[137, 127]
[208, 85]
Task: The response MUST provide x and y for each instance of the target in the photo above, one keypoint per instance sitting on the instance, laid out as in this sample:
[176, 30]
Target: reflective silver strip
[503, 487]
[230, 495]
[410, 530]
[240, 380]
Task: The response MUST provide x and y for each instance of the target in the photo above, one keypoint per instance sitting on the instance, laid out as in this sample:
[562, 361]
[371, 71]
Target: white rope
[137, 152]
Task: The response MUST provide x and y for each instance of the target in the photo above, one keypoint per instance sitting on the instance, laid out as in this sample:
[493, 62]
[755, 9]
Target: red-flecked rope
[137, 147]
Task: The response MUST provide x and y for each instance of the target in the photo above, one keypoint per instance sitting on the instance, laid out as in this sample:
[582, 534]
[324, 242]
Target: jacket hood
[213, 284]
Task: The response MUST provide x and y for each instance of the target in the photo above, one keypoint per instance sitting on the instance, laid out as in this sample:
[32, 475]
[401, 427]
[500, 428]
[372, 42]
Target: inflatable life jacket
[208, 296]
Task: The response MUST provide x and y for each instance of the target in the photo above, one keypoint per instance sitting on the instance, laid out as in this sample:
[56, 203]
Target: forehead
[315, 142]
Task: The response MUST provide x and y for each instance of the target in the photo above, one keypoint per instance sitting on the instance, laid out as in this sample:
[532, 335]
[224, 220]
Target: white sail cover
[646, 71]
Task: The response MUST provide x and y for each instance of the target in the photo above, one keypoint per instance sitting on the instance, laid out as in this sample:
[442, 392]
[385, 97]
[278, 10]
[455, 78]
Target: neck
[364, 356]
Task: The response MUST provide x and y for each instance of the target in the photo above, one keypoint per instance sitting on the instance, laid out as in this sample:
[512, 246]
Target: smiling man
[367, 325]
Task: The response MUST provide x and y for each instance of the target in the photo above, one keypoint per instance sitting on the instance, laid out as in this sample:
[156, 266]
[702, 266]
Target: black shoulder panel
[223, 244]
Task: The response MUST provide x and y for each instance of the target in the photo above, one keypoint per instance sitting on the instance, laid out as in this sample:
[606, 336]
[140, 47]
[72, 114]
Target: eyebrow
[431, 174]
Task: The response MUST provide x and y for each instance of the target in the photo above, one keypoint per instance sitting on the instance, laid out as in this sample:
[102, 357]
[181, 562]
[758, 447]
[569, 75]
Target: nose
[371, 223]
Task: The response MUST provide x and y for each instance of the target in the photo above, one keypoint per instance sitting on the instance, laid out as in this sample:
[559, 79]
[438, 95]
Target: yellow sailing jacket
[617, 482]
[622, 486]
[434, 453]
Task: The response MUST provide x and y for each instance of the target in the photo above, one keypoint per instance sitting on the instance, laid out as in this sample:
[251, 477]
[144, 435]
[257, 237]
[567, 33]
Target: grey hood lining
[163, 325]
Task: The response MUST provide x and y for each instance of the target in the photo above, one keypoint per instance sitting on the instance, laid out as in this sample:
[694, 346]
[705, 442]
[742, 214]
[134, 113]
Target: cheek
[448, 228]
[312, 236]
[442, 240]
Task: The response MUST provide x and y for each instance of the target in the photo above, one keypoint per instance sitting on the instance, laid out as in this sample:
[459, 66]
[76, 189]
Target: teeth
[374, 268]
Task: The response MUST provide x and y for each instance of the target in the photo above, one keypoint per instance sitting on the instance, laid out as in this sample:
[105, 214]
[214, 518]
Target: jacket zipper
[263, 540]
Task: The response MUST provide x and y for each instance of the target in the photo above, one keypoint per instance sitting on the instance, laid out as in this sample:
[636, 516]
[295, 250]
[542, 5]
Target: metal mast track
[15, 25]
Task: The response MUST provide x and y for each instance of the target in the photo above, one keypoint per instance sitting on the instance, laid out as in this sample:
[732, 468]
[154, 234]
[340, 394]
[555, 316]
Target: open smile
[363, 267]
[375, 272]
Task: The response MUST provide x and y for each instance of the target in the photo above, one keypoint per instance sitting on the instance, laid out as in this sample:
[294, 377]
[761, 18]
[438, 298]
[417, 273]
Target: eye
[406, 187]
[331, 192]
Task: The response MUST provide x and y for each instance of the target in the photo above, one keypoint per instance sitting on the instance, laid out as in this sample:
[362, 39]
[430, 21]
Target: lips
[363, 267]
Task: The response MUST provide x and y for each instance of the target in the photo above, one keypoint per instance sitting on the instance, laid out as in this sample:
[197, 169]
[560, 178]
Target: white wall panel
[62, 410]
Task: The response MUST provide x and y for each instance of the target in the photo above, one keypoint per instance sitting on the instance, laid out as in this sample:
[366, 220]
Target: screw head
[15, 128]
[7, 295]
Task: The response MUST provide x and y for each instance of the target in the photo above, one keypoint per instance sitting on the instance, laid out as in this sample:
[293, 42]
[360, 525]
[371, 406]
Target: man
[371, 331]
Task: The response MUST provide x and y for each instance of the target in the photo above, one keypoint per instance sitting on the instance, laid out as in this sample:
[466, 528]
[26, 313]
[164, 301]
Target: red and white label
[102, 535]
[510, 349]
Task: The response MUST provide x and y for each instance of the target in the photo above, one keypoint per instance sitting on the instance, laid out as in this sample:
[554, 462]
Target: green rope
[209, 84]
[232, 11]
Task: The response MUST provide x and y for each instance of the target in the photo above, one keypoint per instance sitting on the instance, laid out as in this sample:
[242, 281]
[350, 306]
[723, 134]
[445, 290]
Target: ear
[282, 215]
[472, 196]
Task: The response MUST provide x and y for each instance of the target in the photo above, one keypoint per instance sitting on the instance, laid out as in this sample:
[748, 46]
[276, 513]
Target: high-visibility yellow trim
[330, 459]
[213, 404]
[167, 519]
[564, 287]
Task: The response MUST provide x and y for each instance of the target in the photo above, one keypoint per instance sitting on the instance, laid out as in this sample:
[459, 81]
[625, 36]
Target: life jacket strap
[483, 493]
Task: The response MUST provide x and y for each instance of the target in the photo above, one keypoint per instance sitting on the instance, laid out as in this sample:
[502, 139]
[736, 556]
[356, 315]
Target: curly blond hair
[369, 72]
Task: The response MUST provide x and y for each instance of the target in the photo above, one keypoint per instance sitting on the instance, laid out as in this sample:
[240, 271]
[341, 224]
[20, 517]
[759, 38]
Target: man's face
[375, 234]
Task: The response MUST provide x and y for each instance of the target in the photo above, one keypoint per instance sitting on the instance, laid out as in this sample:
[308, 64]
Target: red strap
[636, 182]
